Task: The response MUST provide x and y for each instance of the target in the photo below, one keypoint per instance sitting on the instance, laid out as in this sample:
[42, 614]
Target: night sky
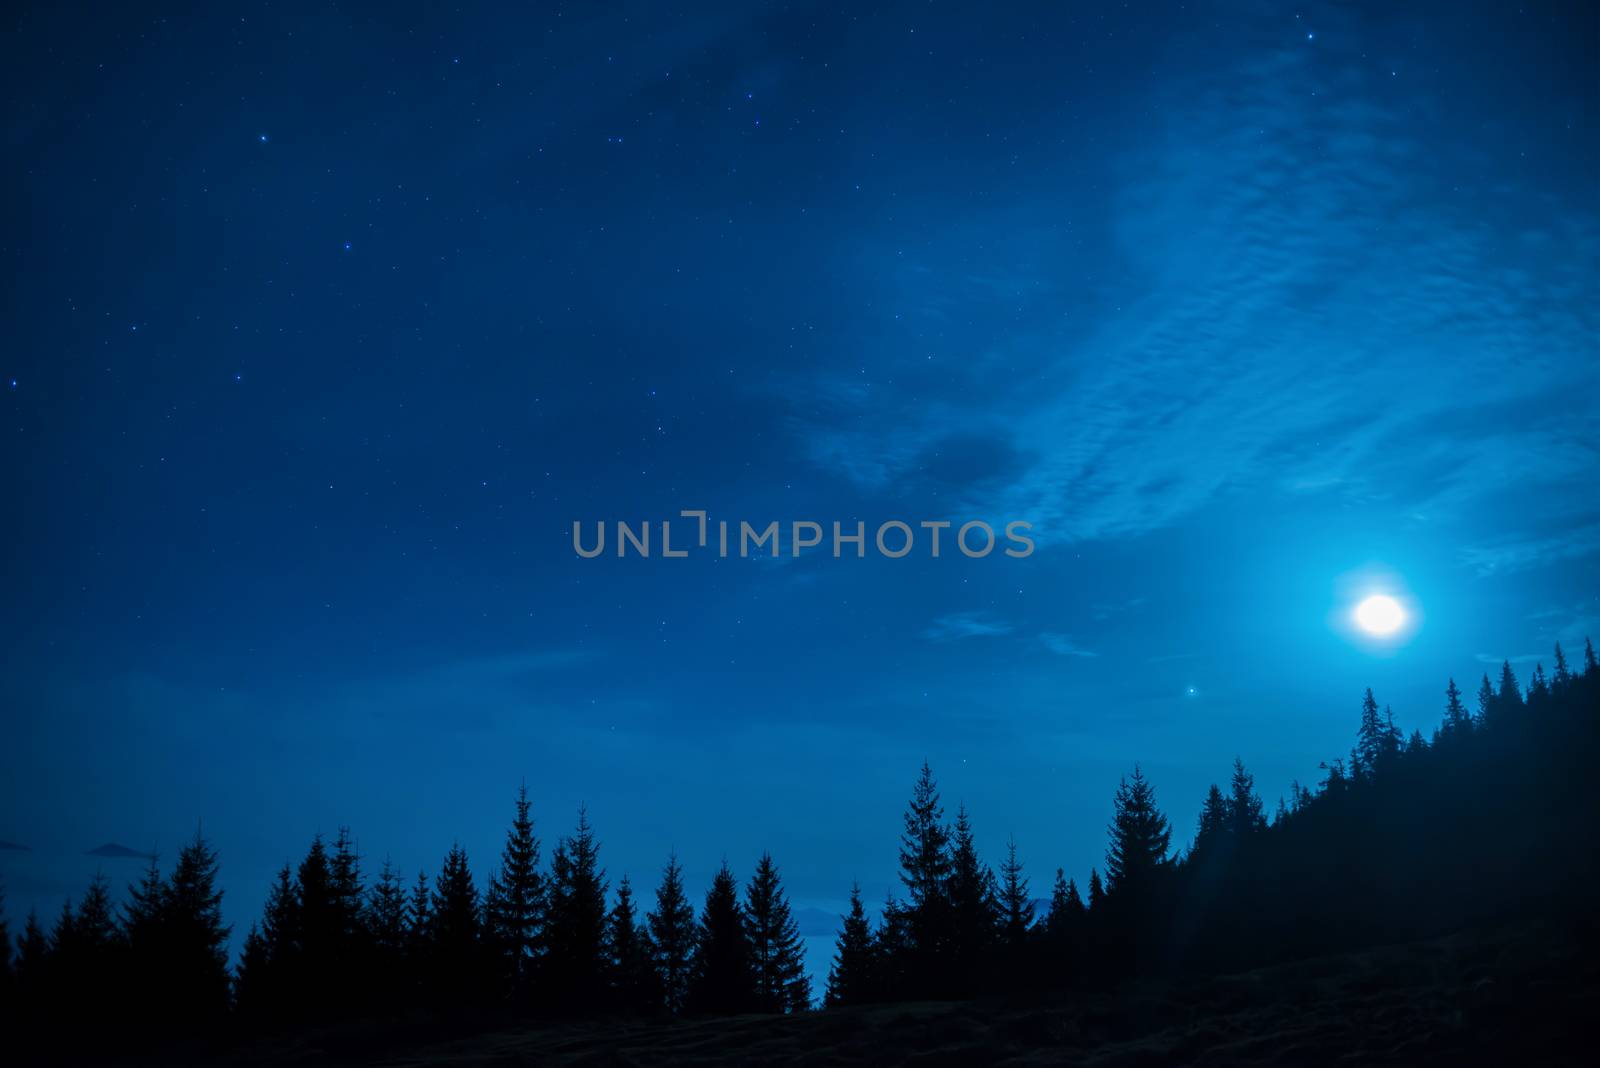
[323, 328]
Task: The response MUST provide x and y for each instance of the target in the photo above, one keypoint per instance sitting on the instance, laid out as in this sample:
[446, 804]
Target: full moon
[1380, 615]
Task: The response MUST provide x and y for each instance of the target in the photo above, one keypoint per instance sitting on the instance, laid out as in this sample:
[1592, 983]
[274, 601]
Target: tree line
[1402, 836]
[1405, 836]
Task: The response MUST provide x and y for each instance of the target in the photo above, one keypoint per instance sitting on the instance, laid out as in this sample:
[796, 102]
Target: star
[262, 138]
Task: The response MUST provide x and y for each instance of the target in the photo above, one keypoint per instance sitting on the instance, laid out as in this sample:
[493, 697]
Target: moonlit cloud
[1062, 645]
[962, 625]
[1304, 297]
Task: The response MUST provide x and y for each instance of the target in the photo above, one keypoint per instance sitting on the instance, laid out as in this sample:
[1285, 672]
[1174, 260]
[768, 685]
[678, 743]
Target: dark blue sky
[324, 328]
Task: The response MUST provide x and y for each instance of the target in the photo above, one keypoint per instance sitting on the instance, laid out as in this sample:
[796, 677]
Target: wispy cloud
[1062, 645]
[1297, 298]
[959, 626]
[1520, 553]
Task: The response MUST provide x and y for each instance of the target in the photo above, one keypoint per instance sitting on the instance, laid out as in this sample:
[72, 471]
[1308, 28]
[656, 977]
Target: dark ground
[1510, 996]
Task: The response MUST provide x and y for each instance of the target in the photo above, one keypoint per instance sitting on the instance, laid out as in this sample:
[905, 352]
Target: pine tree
[633, 987]
[196, 978]
[1376, 739]
[317, 927]
[1140, 837]
[575, 935]
[513, 906]
[974, 914]
[1509, 696]
[84, 951]
[1538, 688]
[925, 865]
[384, 920]
[1067, 910]
[95, 925]
[1591, 666]
[851, 979]
[419, 935]
[1457, 723]
[454, 950]
[347, 896]
[255, 961]
[265, 986]
[33, 964]
[1486, 703]
[1097, 892]
[1562, 676]
[385, 915]
[419, 914]
[1212, 828]
[777, 954]
[672, 937]
[142, 917]
[1016, 907]
[721, 976]
[1245, 815]
[893, 966]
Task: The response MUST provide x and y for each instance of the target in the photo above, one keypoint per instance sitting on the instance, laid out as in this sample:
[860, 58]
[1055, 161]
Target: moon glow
[1380, 615]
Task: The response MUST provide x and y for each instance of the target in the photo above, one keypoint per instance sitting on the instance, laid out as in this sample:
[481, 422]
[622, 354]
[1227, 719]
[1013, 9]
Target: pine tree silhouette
[1561, 678]
[347, 894]
[268, 966]
[419, 936]
[1067, 910]
[195, 975]
[455, 961]
[633, 983]
[1016, 907]
[851, 978]
[315, 984]
[33, 964]
[1538, 688]
[925, 871]
[1097, 893]
[1140, 838]
[384, 921]
[1457, 722]
[1486, 704]
[514, 904]
[1508, 698]
[1245, 815]
[1591, 666]
[84, 952]
[777, 954]
[575, 935]
[672, 937]
[721, 975]
[1376, 739]
[974, 913]
[1213, 826]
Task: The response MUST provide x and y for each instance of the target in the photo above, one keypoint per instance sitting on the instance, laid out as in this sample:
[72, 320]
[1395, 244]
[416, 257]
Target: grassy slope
[1509, 996]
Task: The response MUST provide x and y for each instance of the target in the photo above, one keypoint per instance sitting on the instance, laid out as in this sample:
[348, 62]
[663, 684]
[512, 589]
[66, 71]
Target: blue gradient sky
[324, 328]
